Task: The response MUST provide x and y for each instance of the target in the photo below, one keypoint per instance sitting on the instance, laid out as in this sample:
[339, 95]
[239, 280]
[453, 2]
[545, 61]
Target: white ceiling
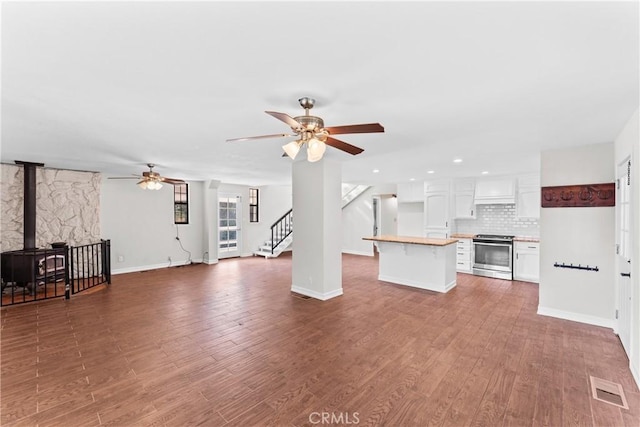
[110, 86]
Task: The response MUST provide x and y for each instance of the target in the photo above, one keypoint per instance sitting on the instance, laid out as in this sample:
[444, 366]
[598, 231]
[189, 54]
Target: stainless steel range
[493, 256]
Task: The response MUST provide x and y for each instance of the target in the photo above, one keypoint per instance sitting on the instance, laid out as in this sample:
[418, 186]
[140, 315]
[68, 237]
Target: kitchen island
[420, 262]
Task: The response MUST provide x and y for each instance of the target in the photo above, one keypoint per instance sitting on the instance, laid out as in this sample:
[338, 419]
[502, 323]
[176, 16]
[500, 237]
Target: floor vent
[296, 295]
[609, 392]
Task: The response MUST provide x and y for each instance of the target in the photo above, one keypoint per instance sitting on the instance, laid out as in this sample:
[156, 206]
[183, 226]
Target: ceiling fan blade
[341, 145]
[276, 135]
[285, 118]
[172, 180]
[123, 177]
[364, 128]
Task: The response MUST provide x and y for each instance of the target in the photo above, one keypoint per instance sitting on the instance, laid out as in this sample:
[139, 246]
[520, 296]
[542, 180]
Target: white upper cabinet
[463, 204]
[495, 191]
[528, 197]
[436, 205]
[411, 192]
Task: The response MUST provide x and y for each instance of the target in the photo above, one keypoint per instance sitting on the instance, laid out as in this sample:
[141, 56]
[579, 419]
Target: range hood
[497, 191]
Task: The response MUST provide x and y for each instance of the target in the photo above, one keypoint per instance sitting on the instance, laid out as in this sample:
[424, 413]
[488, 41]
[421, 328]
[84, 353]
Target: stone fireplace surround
[67, 207]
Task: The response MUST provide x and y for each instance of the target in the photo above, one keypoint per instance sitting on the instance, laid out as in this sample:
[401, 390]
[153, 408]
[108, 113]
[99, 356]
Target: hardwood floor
[228, 345]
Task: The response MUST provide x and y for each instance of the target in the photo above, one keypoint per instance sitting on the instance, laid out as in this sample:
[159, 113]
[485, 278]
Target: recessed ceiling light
[485, 172]
[457, 160]
[412, 179]
[376, 170]
[431, 171]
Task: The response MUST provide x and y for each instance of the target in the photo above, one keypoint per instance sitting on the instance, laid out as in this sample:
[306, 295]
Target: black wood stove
[31, 266]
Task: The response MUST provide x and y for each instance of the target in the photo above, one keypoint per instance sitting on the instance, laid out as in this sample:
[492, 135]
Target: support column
[317, 235]
[211, 221]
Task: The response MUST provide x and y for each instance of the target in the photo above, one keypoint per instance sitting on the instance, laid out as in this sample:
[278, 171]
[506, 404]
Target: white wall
[388, 215]
[274, 201]
[627, 144]
[357, 221]
[583, 236]
[411, 219]
[140, 226]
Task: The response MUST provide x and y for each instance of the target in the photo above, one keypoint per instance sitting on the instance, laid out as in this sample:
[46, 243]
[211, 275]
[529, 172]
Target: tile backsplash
[498, 219]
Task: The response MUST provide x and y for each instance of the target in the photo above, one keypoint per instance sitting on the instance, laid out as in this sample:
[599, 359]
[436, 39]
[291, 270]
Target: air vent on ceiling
[609, 392]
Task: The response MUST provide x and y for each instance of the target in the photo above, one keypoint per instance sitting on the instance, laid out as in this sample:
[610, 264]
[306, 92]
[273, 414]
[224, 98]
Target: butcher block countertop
[526, 239]
[463, 236]
[412, 240]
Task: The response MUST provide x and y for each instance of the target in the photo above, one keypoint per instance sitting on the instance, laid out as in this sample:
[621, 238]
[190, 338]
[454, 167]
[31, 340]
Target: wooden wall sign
[577, 196]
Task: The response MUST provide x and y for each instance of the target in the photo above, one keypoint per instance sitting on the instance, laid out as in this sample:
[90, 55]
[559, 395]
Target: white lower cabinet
[437, 233]
[526, 261]
[464, 259]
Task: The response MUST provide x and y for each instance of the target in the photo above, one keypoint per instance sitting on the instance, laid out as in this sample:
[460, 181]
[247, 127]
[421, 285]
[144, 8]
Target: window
[181, 204]
[253, 205]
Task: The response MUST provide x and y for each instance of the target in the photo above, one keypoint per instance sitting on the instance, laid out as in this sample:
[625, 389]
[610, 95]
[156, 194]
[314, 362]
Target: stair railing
[281, 229]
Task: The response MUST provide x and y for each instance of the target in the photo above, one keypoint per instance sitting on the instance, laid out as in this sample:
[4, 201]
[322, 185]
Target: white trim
[576, 317]
[634, 373]
[416, 284]
[317, 295]
[362, 253]
[154, 266]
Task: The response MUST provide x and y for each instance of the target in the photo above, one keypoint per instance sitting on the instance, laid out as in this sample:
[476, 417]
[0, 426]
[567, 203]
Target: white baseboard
[635, 374]
[317, 295]
[151, 267]
[350, 252]
[576, 317]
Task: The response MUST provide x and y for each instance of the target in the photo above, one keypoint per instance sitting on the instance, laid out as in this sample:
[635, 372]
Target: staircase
[350, 192]
[282, 230]
[281, 237]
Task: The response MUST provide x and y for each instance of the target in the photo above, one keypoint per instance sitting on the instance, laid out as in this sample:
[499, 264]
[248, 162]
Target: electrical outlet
[120, 258]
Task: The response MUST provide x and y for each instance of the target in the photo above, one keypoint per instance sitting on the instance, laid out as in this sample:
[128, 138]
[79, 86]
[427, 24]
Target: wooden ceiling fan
[311, 130]
[150, 180]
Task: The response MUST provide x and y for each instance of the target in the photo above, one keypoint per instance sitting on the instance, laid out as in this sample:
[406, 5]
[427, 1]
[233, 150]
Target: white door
[623, 258]
[229, 222]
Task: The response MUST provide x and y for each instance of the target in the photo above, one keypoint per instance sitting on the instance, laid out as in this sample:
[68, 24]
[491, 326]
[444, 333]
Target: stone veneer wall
[498, 219]
[67, 207]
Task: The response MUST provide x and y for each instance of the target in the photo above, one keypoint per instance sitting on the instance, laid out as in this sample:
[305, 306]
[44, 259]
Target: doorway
[229, 225]
[385, 214]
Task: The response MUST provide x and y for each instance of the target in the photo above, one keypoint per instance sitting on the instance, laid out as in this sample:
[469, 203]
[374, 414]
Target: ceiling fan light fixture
[292, 148]
[154, 185]
[315, 149]
[143, 184]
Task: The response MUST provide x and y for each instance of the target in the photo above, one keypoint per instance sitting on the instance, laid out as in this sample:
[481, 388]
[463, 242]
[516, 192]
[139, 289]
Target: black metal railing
[38, 274]
[281, 229]
[89, 266]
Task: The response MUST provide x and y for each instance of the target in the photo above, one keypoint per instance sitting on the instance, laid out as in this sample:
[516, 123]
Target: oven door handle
[492, 244]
